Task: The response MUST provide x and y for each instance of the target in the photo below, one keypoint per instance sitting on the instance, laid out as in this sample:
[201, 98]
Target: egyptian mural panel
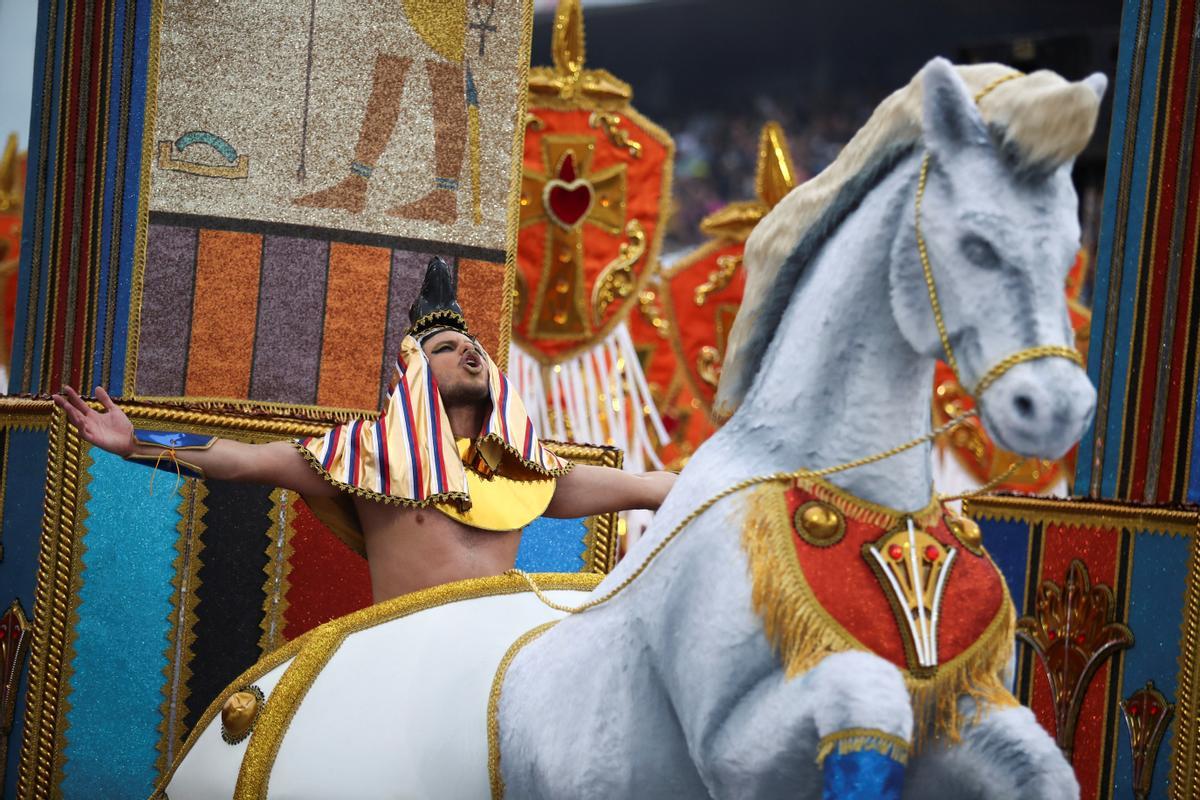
[392, 118]
[305, 163]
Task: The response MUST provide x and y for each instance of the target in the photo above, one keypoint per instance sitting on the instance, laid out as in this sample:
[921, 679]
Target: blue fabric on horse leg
[862, 775]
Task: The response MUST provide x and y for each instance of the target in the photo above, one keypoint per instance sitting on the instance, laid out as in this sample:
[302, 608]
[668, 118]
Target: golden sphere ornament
[966, 530]
[820, 524]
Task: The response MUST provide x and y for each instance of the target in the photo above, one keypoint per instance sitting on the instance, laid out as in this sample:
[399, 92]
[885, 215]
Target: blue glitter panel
[553, 545]
[1008, 545]
[23, 496]
[1160, 565]
[124, 605]
[1007, 542]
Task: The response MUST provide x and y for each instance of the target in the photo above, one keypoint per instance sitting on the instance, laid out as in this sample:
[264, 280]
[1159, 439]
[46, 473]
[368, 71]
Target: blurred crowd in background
[716, 153]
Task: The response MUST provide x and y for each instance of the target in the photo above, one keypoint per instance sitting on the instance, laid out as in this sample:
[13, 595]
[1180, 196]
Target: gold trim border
[45, 701]
[67, 664]
[1184, 781]
[1049, 510]
[141, 235]
[181, 634]
[19, 413]
[278, 569]
[495, 778]
[334, 414]
[516, 171]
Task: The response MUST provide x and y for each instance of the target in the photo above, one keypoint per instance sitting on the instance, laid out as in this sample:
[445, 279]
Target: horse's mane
[1039, 118]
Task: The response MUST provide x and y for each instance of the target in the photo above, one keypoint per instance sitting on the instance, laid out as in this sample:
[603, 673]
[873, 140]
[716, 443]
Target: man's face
[458, 367]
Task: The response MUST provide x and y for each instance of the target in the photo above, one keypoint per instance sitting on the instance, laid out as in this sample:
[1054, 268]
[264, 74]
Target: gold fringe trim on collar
[804, 633]
[864, 510]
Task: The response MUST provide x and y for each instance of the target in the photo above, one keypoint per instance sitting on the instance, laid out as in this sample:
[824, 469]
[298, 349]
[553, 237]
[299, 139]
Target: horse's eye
[979, 252]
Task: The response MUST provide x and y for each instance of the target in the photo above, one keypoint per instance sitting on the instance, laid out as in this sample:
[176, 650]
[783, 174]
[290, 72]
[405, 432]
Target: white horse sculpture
[830, 360]
[711, 663]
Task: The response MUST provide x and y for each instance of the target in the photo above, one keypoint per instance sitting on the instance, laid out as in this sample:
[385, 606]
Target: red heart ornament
[567, 199]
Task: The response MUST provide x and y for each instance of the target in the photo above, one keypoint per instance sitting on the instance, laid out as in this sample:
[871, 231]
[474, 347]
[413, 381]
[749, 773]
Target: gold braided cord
[927, 269]
[1042, 351]
[987, 487]
[777, 477]
[986, 90]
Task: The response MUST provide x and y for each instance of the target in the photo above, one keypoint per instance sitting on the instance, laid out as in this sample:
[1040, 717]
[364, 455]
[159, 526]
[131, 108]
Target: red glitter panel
[970, 601]
[65, 200]
[327, 579]
[1097, 548]
[1154, 284]
[1172, 485]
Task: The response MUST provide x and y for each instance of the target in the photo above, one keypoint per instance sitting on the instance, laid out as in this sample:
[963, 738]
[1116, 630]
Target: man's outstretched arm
[587, 490]
[274, 463]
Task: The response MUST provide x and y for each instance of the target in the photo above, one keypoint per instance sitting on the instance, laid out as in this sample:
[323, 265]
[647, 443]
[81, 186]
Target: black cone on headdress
[437, 304]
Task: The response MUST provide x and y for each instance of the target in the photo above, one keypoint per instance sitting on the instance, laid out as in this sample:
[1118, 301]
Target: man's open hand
[109, 430]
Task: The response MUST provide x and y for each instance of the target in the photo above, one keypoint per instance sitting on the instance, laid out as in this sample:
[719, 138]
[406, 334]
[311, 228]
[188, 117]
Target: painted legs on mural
[383, 109]
[839, 731]
[1007, 754]
[449, 144]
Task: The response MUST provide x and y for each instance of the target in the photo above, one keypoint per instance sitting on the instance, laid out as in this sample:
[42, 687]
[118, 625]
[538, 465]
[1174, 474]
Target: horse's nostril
[1023, 403]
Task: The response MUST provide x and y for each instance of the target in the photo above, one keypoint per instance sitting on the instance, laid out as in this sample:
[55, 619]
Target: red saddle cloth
[849, 586]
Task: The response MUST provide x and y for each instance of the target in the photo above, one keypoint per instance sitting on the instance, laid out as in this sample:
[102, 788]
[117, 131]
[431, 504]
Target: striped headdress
[408, 455]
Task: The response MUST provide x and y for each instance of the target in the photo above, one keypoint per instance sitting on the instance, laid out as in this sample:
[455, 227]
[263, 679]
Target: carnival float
[869, 378]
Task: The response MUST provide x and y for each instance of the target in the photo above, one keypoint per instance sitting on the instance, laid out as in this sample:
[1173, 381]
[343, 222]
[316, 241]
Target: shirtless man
[407, 548]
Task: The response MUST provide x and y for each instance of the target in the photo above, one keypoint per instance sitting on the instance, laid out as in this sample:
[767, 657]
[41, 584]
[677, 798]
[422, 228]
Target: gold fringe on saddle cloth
[857, 740]
[804, 633]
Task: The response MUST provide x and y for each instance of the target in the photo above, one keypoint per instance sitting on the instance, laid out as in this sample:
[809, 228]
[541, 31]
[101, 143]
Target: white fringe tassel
[597, 397]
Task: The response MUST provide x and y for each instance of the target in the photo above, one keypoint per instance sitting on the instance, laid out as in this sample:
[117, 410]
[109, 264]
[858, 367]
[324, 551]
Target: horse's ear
[1097, 83]
[951, 119]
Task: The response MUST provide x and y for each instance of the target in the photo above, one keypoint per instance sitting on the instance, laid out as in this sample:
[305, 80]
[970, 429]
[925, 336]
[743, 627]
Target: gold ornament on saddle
[820, 524]
[913, 566]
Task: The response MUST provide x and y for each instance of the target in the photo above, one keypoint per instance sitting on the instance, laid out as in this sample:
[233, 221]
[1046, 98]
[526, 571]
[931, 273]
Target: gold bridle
[1007, 363]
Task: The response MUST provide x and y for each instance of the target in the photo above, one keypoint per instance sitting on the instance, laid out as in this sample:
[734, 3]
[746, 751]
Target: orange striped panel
[481, 295]
[355, 325]
[224, 313]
